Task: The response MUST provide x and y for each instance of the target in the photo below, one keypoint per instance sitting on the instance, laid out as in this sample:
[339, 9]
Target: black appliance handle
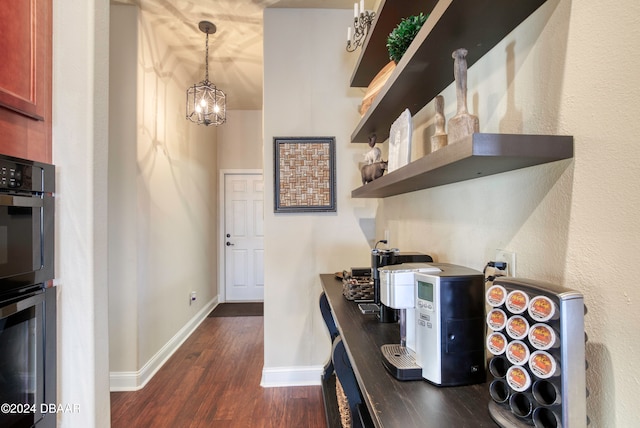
[19, 201]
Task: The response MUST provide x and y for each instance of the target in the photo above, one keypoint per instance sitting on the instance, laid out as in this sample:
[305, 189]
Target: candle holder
[361, 24]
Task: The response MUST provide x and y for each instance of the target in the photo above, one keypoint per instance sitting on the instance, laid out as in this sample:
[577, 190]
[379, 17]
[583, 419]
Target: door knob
[229, 244]
[228, 235]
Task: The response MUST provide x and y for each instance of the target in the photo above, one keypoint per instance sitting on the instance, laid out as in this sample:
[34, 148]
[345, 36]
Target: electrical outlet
[386, 238]
[193, 298]
[510, 258]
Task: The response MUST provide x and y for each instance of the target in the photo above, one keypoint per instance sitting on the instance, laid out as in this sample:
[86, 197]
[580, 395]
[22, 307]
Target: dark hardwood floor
[213, 380]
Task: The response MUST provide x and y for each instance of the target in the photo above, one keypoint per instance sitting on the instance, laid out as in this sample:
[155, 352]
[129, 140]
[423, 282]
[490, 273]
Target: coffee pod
[542, 336]
[496, 343]
[542, 364]
[496, 319]
[517, 352]
[518, 378]
[517, 302]
[517, 327]
[542, 308]
[496, 295]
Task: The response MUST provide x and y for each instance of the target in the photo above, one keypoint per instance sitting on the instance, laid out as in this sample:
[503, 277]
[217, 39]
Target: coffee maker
[386, 257]
[397, 290]
[450, 325]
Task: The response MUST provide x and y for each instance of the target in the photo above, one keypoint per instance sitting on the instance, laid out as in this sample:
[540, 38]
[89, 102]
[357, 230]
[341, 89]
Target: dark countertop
[393, 403]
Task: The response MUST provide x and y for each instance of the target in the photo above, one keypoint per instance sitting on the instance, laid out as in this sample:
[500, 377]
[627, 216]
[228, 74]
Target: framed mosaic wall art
[305, 174]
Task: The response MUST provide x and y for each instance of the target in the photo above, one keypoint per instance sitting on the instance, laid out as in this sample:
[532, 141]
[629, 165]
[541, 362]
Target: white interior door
[243, 237]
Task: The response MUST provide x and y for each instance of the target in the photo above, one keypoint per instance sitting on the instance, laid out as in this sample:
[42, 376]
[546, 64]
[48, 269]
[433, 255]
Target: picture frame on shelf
[400, 141]
[304, 174]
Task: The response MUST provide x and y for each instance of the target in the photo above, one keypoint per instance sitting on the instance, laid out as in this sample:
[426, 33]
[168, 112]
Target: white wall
[80, 140]
[239, 140]
[123, 255]
[306, 93]
[162, 207]
[569, 69]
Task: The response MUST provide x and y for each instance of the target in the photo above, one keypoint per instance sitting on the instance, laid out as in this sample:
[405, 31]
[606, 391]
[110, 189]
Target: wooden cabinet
[25, 79]
[424, 71]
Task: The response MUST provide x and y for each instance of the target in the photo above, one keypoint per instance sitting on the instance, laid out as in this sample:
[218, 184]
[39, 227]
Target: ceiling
[235, 50]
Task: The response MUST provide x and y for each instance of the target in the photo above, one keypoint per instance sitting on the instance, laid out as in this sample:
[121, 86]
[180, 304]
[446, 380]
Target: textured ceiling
[235, 50]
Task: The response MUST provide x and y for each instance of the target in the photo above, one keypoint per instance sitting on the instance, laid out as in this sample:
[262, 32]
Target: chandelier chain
[206, 60]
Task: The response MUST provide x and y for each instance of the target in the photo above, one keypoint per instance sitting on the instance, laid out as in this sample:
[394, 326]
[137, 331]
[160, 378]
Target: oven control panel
[16, 176]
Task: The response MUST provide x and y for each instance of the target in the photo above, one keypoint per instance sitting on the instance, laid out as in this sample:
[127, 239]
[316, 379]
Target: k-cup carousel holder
[536, 337]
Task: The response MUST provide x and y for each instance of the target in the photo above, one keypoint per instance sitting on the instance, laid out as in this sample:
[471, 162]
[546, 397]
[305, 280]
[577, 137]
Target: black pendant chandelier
[206, 104]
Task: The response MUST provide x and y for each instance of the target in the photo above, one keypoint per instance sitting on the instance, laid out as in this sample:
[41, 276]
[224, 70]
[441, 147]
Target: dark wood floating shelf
[478, 155]
[374, 55]
[426, 69]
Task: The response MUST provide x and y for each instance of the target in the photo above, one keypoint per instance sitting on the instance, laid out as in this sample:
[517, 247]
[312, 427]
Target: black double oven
[27, 297]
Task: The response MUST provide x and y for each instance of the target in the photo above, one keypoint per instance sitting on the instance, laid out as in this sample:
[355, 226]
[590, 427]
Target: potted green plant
[402, 36]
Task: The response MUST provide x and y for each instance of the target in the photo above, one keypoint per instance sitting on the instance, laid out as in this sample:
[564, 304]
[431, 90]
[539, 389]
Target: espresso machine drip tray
[400, 361]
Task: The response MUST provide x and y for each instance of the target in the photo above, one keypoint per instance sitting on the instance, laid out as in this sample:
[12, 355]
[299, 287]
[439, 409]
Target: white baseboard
[291, 376]
[134, 381]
